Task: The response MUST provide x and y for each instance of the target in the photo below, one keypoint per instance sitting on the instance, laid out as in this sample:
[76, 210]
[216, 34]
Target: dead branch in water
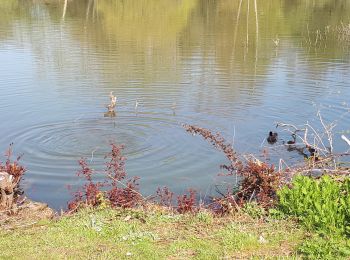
[321, 148]
[322, 140]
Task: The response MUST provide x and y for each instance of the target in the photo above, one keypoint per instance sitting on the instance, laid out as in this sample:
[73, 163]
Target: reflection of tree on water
[154, 40]
[142, 34]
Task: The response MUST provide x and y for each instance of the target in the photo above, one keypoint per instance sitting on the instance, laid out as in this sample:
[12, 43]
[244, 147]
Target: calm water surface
[208, 63]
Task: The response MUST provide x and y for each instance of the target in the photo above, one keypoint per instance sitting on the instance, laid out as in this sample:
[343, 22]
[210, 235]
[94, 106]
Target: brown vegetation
[11, 173]
[259, 181]
[115, 189]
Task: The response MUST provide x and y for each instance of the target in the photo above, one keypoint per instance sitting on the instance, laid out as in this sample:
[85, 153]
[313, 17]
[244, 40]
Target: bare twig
[281, 162]
[318, 137]
[92, 153]
[345, 139]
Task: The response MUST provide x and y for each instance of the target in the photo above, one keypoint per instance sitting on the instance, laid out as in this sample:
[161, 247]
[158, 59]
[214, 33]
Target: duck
[313, 153]
[292, 141]
[272, 138]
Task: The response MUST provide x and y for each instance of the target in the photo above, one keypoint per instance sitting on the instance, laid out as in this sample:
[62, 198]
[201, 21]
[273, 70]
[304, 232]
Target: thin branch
[345, 139]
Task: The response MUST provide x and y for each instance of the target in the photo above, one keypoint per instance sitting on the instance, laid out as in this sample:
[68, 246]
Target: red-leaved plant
[187, 202]
[13, 168]
[116, 189]
[259, 181]
[120, 194]
[165, 197]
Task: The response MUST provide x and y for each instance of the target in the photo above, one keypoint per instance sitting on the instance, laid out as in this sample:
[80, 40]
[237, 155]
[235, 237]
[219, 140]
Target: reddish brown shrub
[127, 196]
[259, 181]
[13, 168]
[187, 202]
[115, 188]
[88, 194]
[165, 197]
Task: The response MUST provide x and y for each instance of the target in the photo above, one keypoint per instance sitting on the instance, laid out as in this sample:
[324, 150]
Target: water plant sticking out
[276, 41]
[111, 106]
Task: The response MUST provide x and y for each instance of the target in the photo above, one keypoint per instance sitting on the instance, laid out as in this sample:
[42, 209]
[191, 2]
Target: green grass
[134, 234]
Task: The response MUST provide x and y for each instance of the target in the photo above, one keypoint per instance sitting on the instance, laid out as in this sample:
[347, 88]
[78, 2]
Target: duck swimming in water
[272, 138]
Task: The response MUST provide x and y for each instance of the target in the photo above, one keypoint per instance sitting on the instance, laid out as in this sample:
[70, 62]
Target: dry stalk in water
[113, 102]
[218, 142]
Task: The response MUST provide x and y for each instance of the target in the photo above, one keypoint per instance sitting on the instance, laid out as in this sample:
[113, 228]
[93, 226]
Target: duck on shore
[272, 138]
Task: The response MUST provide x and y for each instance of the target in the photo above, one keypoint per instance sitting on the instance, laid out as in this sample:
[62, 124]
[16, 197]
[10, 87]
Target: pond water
[235, 67]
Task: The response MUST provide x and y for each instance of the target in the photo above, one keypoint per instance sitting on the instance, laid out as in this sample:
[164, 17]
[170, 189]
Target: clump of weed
[116, 189]
[120, 194]
[165, 197]
[89, 193]
[13, 167]
[325, 247]
[187, 202]
[254, 210]
[259, 181]
[12, 174]
[320, 204]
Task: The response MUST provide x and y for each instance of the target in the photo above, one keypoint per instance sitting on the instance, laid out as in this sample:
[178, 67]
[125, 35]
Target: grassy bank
[152, 234]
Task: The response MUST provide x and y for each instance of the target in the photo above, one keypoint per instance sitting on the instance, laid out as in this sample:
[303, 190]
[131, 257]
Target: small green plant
[325, 247]
[322, 205]
[275, 213]
[253, 210]
[103, 203]
[205, 217]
